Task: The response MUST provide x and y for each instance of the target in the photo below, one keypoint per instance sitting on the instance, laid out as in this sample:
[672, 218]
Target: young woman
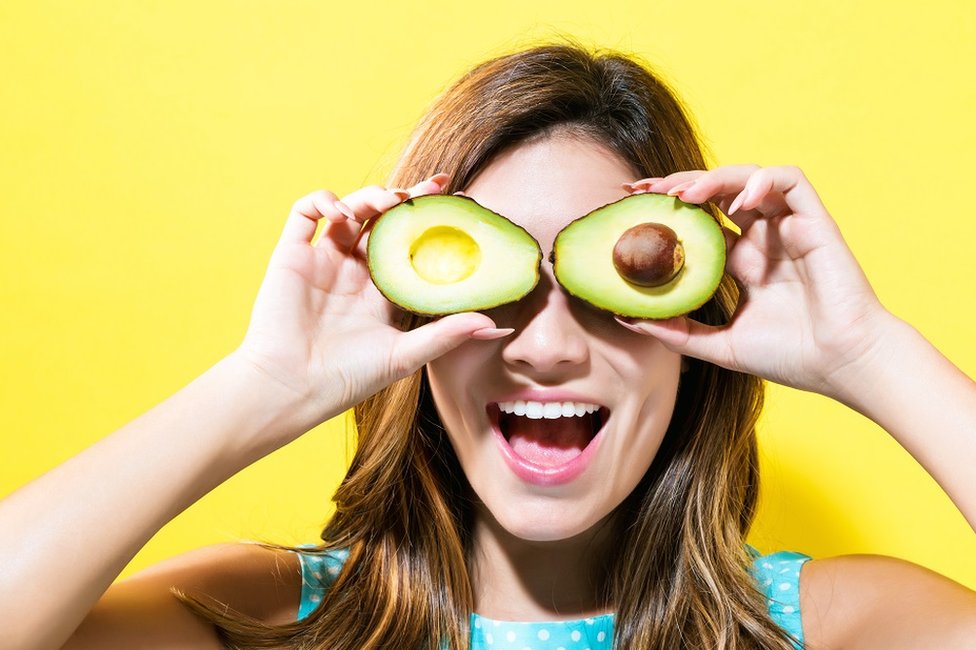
[445, 534]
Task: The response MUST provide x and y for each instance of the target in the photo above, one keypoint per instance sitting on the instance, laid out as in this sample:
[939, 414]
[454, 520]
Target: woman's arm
[68, 534]
[923, 400]
[321, 339]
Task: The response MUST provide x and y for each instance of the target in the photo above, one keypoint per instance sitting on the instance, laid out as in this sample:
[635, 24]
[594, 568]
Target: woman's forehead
[544, 185]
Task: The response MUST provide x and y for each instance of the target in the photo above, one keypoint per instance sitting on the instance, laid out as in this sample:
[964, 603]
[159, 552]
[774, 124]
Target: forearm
[925, 402]
[66, 536]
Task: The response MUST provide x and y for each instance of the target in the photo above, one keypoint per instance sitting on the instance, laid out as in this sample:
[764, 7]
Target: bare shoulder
[141, 612]
[867, 601]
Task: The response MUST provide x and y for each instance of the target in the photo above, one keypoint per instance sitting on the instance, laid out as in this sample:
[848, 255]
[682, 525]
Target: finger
[663, 185]
[688, 337]
[371, 201]
[786, 180]
[305, 215]
[433, 185]
[425, 343]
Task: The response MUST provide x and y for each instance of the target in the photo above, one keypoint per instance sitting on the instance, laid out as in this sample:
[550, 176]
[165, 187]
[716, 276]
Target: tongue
[549, 442]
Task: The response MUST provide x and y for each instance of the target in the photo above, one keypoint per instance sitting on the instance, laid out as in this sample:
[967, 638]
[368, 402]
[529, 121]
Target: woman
[445, 534]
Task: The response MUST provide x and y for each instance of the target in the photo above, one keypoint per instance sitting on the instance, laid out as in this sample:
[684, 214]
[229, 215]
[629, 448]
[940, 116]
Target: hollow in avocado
[442, 254]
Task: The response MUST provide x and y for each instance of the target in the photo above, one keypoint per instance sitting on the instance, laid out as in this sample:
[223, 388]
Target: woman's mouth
[547, 443]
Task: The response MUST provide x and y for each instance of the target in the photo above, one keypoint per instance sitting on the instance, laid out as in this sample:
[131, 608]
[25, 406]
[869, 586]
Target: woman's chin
[544, 521]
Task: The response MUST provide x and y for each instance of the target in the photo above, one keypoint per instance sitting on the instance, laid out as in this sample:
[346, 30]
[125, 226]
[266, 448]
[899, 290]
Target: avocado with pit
[442, 254]
[644, 256]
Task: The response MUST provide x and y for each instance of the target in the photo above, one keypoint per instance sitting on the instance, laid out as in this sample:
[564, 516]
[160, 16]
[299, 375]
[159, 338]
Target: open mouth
[548, 434]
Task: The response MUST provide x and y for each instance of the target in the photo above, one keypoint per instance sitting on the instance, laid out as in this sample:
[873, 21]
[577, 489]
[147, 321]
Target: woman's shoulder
[878, 600]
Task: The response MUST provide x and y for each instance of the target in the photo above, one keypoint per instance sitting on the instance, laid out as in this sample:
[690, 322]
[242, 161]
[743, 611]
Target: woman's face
[550, 478]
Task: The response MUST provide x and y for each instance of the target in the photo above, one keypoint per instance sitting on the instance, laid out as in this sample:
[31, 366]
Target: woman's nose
[547, 338]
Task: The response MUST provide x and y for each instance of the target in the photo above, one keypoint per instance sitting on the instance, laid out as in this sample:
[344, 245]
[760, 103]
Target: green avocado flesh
[442, 254]
[583, 264]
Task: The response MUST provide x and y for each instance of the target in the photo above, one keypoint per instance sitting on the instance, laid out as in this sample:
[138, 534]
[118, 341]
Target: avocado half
[583, 257]
[442, 254]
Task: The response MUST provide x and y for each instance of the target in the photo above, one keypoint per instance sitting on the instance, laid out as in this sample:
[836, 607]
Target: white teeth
[548, 410]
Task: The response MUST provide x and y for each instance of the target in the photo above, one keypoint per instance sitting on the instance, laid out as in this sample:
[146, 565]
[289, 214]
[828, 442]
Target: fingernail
[681, 188]
[630, 326]
[736, 203]
[440, 178]
[345, 209]
[403, 195]
[489, 333]
[647, 182]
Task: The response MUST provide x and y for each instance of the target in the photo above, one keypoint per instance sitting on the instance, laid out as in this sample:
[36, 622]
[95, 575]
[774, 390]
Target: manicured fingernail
[629, 326]
[345, 209]
[489, 333]
[736, 203]
[440, 178]
[647, 182]
[403, 195]
[681, 188]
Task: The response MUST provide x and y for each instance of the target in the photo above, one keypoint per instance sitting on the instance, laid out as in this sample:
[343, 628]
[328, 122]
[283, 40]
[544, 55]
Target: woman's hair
[404, 510]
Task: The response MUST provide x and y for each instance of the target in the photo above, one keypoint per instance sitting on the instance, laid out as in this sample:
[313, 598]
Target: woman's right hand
[321, 328]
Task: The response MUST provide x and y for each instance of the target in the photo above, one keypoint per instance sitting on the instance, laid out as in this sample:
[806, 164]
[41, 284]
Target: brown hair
[404, 508]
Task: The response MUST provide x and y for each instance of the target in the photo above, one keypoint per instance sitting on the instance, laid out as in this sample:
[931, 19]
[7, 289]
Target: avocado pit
[648, 255]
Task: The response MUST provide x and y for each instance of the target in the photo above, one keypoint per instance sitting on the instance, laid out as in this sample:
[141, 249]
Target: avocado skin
[659, 200]
[372, 262]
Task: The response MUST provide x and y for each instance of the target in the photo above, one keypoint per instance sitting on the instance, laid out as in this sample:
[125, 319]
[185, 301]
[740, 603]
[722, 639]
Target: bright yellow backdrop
[150, 153]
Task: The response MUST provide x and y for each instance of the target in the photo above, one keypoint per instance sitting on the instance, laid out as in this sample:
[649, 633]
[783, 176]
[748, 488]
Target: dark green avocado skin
[420, 200]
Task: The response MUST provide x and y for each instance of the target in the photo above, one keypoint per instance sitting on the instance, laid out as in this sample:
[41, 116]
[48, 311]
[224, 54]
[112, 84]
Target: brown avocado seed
[649, 255]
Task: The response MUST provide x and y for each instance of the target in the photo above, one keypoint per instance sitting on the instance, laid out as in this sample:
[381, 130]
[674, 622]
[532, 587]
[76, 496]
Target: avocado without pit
[442, 254]
[644, 256]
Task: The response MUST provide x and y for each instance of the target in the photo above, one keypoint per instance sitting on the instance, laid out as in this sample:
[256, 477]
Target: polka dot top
[777, 574]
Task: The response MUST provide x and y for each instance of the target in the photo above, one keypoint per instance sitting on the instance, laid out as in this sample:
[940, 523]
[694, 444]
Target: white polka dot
[318, 576]
[601, 636]
[489, 639]
[768, 582]
[589, 621]
[477, 623]
[767, 565]
[784, 586]
[315, 598]
[785, 570]
[496, 623]
[543, 635]
[788, 609]
[511, 637]
[575, 636]
[526, 648]
[333, 571]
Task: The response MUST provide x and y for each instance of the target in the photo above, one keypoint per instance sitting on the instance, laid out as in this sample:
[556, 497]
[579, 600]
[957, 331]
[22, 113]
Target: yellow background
[150, 152]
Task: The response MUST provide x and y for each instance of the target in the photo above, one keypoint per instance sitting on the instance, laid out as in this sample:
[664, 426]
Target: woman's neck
[517, 580]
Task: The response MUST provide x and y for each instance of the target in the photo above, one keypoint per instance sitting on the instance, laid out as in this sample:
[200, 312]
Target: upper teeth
[549, 410]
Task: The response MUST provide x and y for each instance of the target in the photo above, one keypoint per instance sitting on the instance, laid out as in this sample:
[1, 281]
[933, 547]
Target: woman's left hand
[807, 316]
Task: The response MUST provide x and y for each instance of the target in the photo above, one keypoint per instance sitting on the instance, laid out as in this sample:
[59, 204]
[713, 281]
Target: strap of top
[777, 575]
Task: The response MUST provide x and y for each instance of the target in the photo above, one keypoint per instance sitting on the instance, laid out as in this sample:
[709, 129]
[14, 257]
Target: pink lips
[539, 474]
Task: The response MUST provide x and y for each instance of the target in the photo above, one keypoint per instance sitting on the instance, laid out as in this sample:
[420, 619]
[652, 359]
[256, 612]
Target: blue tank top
[777, 575]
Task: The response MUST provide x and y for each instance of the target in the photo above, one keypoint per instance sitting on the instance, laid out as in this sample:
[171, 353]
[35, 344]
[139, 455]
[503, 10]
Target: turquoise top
[777, 574]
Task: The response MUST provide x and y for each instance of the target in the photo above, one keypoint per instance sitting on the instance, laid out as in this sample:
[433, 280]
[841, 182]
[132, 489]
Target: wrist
[276, 413]
[860, 382]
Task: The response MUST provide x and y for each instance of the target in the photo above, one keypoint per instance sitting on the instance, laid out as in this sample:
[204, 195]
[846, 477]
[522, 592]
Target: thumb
[427, 342]
[686, 336]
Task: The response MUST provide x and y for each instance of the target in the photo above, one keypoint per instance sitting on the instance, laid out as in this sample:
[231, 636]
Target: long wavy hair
[404, 510]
